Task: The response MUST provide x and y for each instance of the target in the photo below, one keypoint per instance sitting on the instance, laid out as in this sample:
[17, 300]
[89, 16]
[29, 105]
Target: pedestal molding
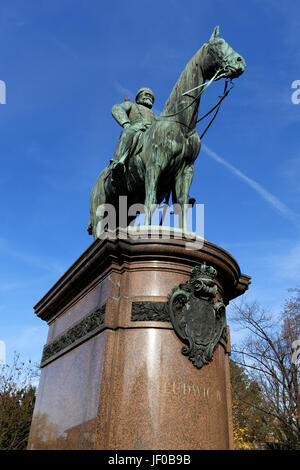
[110, 254]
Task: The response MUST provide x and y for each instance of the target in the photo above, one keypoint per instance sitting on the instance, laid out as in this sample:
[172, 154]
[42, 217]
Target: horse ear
[215, 33]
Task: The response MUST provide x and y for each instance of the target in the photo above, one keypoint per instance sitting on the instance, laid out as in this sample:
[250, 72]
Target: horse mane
[190, 77]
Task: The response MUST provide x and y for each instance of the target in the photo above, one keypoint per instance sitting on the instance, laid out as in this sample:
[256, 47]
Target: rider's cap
[144, 89]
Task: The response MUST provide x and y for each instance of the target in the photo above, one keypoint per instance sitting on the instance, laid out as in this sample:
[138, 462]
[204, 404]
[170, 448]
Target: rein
[217, 106]
[206, 85]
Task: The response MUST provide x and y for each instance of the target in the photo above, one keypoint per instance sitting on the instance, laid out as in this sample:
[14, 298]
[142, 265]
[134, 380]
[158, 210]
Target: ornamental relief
[197, 319]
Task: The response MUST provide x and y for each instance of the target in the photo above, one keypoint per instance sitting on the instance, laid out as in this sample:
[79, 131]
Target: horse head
[221, 60]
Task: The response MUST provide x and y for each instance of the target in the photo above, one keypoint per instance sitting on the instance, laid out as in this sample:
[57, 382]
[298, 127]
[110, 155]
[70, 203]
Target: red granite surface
[130, 387]
[154, 398]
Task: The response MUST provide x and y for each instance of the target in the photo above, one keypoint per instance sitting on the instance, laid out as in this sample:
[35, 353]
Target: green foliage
[249, 424]
[17, 398]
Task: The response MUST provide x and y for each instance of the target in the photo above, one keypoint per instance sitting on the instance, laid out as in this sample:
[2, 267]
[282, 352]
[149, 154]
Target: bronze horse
[164, 163]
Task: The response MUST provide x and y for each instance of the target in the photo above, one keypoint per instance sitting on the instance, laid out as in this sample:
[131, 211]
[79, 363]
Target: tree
[17, 398]
[268, 357]
[249, 425]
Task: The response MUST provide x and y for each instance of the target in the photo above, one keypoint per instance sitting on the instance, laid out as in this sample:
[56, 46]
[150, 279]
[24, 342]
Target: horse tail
[90, 227]
[98, 196]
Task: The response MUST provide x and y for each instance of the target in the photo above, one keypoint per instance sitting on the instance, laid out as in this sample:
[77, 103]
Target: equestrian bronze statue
[155, 155]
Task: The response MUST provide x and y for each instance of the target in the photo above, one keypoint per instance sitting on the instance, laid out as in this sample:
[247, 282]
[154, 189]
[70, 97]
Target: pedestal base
[113, 374]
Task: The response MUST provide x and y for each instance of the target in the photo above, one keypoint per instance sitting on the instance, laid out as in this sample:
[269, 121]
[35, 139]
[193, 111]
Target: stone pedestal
[113, 374]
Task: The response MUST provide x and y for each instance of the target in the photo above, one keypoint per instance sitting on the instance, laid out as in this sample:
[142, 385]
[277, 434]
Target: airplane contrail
[266, 195]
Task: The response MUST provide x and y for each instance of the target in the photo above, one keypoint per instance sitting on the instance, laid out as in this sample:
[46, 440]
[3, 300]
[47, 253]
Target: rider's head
[145, 96]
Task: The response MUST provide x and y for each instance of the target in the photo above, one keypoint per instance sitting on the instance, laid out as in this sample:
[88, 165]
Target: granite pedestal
[113, 375]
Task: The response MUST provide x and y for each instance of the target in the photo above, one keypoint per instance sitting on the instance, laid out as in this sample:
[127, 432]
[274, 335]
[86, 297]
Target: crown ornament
[197, 318]
[203, 271]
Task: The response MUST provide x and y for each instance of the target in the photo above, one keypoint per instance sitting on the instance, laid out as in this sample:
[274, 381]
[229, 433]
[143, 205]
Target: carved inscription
[191, 390]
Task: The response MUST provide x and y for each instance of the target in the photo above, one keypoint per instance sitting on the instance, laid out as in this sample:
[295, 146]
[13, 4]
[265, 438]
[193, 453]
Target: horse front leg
[151, 180]
[183, 183]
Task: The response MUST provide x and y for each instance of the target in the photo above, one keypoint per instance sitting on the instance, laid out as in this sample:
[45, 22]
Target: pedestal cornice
[115, 251]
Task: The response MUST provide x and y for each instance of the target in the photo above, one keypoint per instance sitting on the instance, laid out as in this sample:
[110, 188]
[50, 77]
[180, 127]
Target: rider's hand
[127, 124]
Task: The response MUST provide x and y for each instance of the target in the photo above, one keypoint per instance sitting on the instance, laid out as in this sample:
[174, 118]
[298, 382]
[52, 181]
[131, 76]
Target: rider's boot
[118, 170]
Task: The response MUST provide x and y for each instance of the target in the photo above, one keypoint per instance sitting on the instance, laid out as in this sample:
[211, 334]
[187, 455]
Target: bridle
[205, 86]
[217, 106]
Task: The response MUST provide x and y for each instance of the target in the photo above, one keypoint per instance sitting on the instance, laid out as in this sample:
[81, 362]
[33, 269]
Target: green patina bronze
[155, 154]
[197, 319]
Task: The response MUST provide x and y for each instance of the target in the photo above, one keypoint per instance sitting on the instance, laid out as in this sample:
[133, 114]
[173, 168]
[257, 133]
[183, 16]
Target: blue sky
[65, 63]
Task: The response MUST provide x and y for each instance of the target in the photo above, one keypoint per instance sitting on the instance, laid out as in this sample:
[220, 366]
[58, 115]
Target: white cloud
[26, 340]
[287, 265]
[291, 172]
[4, 286]
[30, 259]
[124, 91]
[29, 336]
[64, 47]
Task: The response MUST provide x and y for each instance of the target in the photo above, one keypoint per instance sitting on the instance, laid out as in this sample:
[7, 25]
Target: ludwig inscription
[197, 320]
[191, 390]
